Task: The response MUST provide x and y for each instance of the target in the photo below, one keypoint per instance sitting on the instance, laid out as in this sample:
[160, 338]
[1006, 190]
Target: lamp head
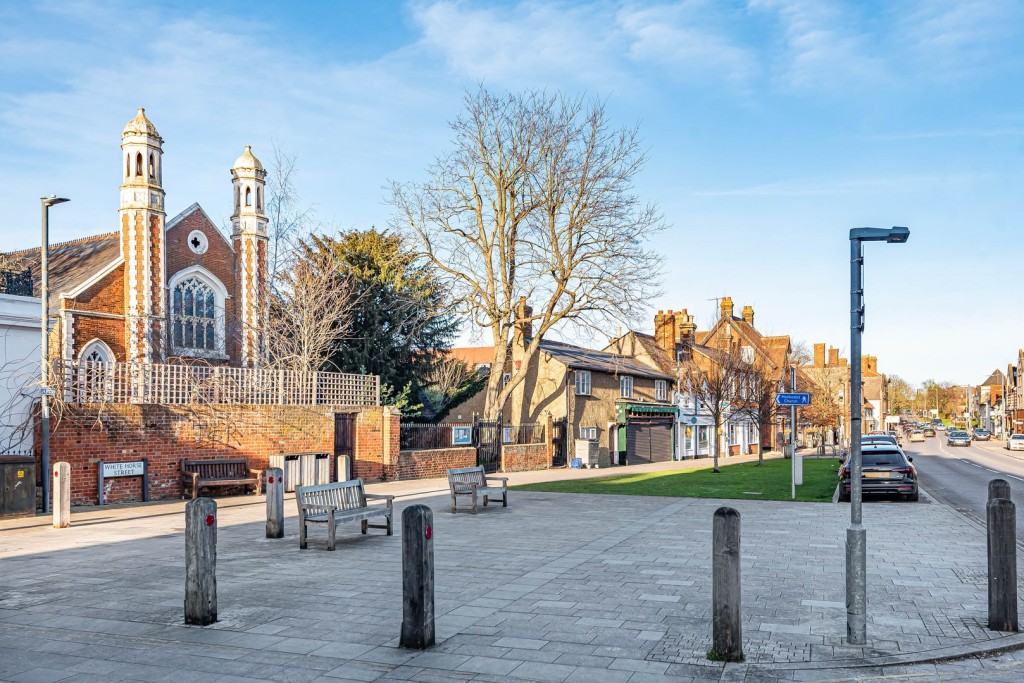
[898, 235]
[53, 199]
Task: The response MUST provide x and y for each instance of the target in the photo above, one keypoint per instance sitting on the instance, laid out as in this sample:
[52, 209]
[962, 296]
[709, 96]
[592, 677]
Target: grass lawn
[770, 481]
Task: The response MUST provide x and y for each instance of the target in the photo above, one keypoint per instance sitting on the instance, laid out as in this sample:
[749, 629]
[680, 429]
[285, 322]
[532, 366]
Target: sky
[771, 128]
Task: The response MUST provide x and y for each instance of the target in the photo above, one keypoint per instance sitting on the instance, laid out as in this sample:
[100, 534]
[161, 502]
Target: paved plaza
[557, 587]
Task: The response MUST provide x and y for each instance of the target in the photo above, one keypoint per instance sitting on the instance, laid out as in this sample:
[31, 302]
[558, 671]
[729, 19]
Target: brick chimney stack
[522, 321]
[819, 355]
[665, 330]
[727, 307]
[748, 315]
[870, 363]
[833, 356]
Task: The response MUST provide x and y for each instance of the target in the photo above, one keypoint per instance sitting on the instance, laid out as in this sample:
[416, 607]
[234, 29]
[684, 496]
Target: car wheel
[844, 497]
[913, 497]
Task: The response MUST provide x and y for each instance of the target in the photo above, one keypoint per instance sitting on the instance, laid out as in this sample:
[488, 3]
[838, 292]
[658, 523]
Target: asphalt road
[958, 476]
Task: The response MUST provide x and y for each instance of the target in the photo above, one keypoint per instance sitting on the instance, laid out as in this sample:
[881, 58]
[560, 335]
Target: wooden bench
[337, 503]
[196, 474]
[473, 482]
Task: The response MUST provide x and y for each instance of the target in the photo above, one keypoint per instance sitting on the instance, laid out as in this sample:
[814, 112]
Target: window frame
[583, 377]
[220, 297]
[660, 390]
[584, 431]
[625, 386]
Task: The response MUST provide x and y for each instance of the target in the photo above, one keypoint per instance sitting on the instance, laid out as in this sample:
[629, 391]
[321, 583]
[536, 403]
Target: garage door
[648, 440]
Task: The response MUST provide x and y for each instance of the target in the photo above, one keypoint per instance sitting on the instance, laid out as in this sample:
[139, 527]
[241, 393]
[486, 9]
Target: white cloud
[689, 39]
[823, 47]
[954, 39]
[529, 43]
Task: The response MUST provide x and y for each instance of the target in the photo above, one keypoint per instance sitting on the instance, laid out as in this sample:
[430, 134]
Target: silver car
[1015, 442]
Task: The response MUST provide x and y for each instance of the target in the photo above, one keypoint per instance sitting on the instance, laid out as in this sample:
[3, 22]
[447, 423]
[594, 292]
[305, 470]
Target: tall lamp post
[856, 534]
[44, 345]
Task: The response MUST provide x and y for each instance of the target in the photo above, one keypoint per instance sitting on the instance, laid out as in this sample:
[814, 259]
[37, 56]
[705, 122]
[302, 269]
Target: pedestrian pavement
[556, 587]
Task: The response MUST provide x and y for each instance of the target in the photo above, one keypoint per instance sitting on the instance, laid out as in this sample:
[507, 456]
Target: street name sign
[793, 399]
[123, 469]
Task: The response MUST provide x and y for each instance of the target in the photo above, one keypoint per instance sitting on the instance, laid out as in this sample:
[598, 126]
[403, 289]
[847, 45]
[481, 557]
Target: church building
[158, 290]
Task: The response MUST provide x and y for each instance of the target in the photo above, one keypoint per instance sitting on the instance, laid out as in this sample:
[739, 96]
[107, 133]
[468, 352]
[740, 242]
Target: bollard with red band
[201, 561]
[417, 577]
[61, 495]
[275, 502]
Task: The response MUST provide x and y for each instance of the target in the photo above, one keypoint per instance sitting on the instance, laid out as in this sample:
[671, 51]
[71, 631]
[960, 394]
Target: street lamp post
[44, 346]
[856, 534]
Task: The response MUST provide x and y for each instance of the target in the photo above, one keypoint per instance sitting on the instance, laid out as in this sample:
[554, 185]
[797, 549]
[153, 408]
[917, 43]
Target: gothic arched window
[152, 168]
[248, 197]
[195, 316]
[95, 373]
[138, 164]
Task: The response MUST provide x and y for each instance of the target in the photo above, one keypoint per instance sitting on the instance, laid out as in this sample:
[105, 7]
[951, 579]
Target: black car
[884, 469]
[982, 434]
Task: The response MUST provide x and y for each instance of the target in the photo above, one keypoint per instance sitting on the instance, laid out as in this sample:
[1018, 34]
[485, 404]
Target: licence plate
[877, 475]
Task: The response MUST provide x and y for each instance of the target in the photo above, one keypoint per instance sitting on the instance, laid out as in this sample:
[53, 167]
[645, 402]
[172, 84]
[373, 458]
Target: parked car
[884, 469]
[878, 438]
[982, 434]
[941, 427]
[916, 435]
[928, 432]
[1015, 442]
[958, 438]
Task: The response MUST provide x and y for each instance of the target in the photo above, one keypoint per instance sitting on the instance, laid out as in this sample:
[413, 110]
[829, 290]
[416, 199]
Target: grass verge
[770, 481]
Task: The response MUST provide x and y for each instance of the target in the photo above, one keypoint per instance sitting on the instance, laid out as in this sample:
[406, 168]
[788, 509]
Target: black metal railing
[414, 436]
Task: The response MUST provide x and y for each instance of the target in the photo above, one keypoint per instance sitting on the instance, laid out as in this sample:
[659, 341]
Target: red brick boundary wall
[524, 457]
[433, 463]
[87, 433]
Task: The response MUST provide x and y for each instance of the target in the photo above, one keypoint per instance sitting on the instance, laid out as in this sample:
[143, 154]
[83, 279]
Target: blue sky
[772, 127]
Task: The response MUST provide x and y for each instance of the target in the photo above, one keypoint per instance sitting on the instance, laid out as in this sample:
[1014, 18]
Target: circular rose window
[197, 242]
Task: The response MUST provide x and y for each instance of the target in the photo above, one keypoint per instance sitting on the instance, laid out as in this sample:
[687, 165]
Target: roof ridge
[54, 245]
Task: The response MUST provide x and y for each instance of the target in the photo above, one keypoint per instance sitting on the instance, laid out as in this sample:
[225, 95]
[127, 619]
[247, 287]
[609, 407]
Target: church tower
[249, 236]
[142, 241]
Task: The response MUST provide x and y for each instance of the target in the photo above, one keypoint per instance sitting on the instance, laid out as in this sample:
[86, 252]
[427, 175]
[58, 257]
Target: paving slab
[554, 587]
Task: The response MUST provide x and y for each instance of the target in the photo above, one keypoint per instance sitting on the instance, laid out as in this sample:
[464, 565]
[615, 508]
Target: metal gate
[648, 439]
[487, 441]
[558, 437]
[344, 445]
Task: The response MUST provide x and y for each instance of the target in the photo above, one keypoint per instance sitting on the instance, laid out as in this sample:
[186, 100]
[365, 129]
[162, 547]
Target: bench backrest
[344, 495]
[467, 475]
[217, 469]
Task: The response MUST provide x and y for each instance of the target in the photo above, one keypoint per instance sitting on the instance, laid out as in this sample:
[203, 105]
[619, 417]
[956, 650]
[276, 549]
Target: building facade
[156, 290]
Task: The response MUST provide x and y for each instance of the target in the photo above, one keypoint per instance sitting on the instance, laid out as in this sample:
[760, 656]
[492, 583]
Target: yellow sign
[21, 474]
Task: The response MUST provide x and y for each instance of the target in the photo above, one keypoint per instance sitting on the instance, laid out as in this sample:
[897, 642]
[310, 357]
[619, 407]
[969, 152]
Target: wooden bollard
[275, 502]
[999, 488]
[61, 487]
[727, 627]
[1002, 565]
[417, 577]
[201, 561]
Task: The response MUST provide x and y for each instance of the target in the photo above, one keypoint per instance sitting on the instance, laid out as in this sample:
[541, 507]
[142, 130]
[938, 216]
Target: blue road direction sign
[793, 399]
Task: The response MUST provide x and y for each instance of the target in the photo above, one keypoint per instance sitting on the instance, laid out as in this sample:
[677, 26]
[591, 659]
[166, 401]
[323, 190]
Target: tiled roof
[580, 358]
[996, 378]
[72, 263]
[473, 355]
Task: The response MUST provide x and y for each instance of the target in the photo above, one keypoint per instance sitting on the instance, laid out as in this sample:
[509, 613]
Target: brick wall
[106, 296]
[165, 435]
[524, 457]
[376, 444]
[433, 463]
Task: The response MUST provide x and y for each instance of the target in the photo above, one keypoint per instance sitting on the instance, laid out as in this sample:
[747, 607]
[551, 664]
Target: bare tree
[535, 202]
[759, 401]
[829, 391]
[287, 222]
[716, 386]
[309, 313]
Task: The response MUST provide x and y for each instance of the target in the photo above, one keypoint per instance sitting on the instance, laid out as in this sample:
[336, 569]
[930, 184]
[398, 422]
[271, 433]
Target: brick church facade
[158, 290]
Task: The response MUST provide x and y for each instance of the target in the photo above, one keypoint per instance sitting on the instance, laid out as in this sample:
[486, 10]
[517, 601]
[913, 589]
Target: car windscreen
[882, 459]
[957, 434]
